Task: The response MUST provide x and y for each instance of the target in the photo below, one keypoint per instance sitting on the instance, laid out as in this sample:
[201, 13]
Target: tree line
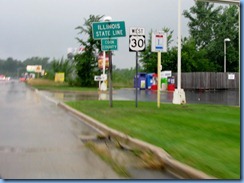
[17, 68]
[202, 50]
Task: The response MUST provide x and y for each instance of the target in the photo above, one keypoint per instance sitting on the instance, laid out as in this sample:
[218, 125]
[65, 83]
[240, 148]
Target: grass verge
[105, 156]
[206, 137]
[45, 84]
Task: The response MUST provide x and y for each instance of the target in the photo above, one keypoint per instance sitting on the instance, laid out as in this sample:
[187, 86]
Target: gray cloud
[46, 28]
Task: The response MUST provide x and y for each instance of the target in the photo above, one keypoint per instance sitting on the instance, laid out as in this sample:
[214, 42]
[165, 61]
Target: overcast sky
[46, 28]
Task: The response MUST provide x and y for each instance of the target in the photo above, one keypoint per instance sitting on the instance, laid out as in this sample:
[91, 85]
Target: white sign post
[179, 96]
[137, 44]
[159, 44]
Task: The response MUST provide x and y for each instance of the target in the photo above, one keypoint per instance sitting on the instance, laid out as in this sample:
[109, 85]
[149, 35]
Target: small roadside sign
[137, 40]
[231, 76]
[101, 30]
[103, 77]
[159, 42]
[109, 44]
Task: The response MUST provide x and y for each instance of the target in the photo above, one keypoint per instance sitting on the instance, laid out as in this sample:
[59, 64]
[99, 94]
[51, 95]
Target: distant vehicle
[23, 79]
[2, 77]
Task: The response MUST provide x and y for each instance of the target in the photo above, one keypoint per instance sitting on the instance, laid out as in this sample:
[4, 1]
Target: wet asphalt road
[39, 140]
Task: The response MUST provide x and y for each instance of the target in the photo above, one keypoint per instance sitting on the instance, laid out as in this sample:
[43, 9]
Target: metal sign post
[137, 79]
[137, 43]
[110, 80]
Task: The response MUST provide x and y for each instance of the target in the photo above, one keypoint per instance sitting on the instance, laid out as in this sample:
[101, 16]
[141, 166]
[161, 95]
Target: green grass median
[49, 85]
[206, 137]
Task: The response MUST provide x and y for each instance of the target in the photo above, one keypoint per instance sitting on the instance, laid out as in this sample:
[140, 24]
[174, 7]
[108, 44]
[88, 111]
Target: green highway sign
[109, 44]
[101, 30]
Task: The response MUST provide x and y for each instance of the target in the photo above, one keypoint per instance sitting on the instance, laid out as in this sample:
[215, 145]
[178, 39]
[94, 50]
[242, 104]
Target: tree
[193, 59]
[11, 67]
[209, 26]
[16, 68]
[37, 61]
[86, 63]
[203, 22]
[61, 66]
[228, 27]
[123, 77]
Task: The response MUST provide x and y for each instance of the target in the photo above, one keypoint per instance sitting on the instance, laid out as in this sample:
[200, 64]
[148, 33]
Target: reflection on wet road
[40, 140]
[223, 97]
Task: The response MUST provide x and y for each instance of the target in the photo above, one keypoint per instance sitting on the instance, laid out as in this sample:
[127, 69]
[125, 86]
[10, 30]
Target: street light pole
[179, 47]
[179, 96]
[225, 40]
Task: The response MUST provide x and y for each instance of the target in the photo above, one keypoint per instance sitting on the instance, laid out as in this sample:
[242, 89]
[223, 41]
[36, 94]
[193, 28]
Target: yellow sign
[39, 68]
[59, 77]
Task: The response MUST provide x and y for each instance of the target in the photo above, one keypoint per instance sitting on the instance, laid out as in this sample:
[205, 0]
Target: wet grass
[106, 156]
[206, 137]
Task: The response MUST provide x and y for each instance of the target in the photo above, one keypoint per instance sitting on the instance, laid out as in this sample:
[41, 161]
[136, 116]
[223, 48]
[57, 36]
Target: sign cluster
[108, 32]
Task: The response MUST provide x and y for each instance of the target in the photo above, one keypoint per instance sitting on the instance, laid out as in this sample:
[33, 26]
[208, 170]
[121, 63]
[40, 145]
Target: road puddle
[224, 97]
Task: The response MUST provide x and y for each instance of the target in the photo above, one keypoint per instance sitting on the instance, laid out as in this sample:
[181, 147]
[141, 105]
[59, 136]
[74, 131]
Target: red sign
[100, 61]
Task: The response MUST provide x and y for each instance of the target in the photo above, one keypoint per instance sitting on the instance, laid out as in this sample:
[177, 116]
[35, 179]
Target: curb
[173, 166]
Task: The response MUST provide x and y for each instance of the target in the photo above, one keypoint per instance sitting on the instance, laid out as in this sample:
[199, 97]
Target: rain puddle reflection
[224, 97]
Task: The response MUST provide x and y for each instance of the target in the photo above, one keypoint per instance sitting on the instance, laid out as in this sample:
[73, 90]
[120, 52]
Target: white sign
[166, 74]
[137, 31]
[70, 50]
[103, 77]
[137, 40]
[97, 78]
[34, 68]
[231, 76]
[159, 42]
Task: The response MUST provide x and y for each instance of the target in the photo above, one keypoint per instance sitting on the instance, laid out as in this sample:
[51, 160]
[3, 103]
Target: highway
[39, 140]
